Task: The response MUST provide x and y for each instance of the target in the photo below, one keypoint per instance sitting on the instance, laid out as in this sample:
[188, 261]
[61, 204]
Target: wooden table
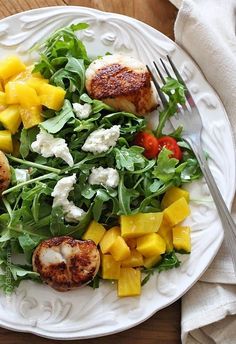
[164, 326]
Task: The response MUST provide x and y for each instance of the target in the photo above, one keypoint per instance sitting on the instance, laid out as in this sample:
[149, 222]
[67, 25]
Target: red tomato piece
[148, 142]
[171, 144]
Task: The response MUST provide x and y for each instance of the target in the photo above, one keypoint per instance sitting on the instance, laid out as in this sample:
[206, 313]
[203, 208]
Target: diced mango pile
[22, 95]
[140, 241]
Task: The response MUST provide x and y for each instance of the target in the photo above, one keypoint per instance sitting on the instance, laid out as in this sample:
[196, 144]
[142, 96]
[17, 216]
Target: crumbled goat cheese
[82, 111]
[73, 213]
[61, 193]
[101, 140]
[48, 146]
[21, 175]
[104, 176]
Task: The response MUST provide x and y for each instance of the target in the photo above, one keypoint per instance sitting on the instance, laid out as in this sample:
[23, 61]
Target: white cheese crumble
[101, 140]
[61, 193]
[21, 175]
[48, 146]
[72, 212]
[104, 176]
[82, 111]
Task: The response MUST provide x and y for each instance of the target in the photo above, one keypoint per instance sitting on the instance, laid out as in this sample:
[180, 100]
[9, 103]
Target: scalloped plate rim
[51, 335]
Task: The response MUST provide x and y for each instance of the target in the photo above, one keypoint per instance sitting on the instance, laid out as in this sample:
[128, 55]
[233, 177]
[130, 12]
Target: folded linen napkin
[206, 30]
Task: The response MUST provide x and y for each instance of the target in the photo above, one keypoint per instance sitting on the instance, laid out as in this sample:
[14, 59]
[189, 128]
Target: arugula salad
[142, 166]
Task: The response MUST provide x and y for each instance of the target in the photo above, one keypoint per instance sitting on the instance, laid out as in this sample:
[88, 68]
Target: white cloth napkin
[206, 30]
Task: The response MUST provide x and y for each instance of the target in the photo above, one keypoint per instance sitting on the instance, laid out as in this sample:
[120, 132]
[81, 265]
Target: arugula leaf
[55, 124]
[129, 123]
[129, 158]
[13, 274]
[97, 105]
[95, 282]
[56, 50]
[57, 224]
[27, 136]
[59, 228]
[28, 244]
[71, 77]
[125, 196]
[165, 169]
[169, 261]
[176, 95]
[101, 197]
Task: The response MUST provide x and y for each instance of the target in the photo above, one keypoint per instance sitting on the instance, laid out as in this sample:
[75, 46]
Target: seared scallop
[5, 172]
[122, 82]
[65, 263]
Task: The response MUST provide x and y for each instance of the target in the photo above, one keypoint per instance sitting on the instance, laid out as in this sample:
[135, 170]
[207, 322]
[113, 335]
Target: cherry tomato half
[149, 142]
[171, 144]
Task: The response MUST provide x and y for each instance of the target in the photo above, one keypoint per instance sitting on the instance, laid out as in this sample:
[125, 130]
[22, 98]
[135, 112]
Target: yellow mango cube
[6, 144]
[37, 83]
[134, 226]
[3, 100]
[108, 239]
[177, 212]
[151, 244]
[135, 259]
[129, 282]
[119, 249]
[26, 95]
[10, 118]
[22, 76]
[182, 238]
[11, 94]
[172, 195]
[52, 96]
[1, 86]
[110, 269]
[94, 232]
[31, 116]
[165, 231]
[10, 66]
[149, 262]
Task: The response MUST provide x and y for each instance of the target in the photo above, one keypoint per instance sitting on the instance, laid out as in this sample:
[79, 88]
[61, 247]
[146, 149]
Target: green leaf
[79, 26]
[62, 43]
[129, 158]
[27, 136]
[95, 282]
[97, 105]
[169, 261]
[165, 169]
[175, 92]
[59, 228]
[57, 224]
[28, 244]
[71, 77]
[101, 197]
[55, 124]
[125, 196]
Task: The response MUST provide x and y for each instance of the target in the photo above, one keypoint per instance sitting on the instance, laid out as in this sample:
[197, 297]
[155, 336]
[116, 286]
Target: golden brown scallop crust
[115, 80]
[77, 269]
[121, 82]
[5, 172]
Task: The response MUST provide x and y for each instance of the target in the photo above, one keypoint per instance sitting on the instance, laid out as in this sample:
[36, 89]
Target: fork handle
[225, 216]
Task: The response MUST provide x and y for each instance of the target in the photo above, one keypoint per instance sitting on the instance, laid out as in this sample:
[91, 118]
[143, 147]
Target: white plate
[88, 313]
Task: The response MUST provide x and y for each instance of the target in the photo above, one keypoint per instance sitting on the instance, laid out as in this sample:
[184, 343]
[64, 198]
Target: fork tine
[159, 73]
[158, 88]
[180, 79]
[164, 66]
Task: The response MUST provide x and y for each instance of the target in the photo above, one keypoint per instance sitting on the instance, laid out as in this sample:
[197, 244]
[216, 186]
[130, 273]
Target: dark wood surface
[164, 326]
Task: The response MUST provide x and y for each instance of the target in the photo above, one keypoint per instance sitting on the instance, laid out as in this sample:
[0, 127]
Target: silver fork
[189, 118]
